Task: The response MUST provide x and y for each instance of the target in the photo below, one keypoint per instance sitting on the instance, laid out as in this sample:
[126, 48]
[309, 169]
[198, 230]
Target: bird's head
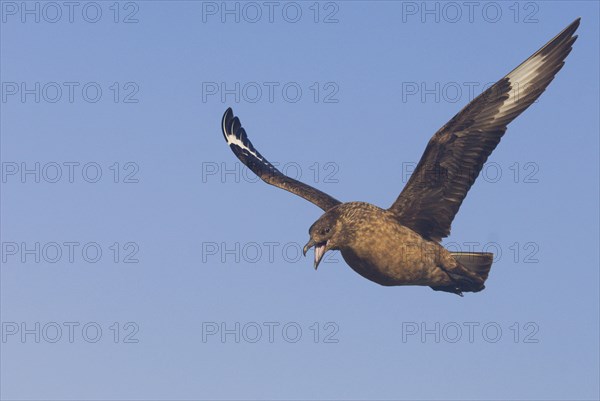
[325, 234]
[340, 227]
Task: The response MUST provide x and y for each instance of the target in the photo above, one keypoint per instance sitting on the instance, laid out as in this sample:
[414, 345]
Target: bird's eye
[326, 231]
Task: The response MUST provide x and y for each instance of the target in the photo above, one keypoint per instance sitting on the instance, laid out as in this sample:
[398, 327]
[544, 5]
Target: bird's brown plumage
[400, 245]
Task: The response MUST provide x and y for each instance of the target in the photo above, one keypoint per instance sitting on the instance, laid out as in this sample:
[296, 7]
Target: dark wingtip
[226, 122]
[573, 26]
[234, 126]
[567, 32]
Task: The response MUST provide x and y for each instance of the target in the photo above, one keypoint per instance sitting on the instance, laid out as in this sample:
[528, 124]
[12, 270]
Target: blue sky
[141, 261]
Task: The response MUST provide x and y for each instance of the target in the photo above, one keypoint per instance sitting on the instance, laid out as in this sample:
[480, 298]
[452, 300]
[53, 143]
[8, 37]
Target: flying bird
[401, 245]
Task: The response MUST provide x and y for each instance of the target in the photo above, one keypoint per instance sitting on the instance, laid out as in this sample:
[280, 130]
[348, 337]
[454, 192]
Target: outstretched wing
[238, 141]
[456, 153]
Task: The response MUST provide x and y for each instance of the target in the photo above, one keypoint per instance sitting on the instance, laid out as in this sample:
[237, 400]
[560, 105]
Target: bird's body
[401, 245]
[380, 249]
[376, 246]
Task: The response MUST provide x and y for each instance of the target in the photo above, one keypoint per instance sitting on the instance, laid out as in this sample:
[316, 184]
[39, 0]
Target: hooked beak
[319, 250]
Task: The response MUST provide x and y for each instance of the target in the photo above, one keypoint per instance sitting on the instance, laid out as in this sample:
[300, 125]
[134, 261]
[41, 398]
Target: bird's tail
[475, 269]
[479, 263]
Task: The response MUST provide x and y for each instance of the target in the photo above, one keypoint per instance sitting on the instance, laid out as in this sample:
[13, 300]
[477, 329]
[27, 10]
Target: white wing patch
[234, 140]
[531, 78]
[521, 82]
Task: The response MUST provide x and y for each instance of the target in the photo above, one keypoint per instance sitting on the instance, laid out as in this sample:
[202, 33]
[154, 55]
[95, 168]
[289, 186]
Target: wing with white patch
[238, 141]
[456, 153]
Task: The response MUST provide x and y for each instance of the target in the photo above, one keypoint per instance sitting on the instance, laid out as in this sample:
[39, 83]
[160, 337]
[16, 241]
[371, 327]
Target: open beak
[319, 250]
